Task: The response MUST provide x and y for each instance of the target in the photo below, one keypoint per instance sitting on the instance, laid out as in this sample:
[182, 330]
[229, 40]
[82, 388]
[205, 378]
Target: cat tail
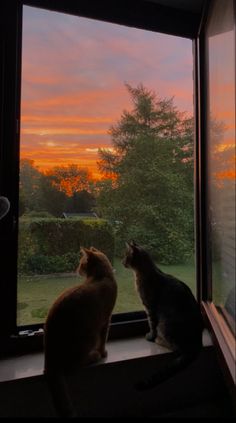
[60, 394]
[180, 362]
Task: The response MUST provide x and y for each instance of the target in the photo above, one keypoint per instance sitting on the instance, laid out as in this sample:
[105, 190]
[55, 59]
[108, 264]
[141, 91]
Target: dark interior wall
[107, 391]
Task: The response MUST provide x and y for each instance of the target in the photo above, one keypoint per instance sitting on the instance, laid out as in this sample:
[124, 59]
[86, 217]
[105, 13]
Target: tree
[70, 179]
[37, 193]
[76, 184]
[149, 193]
[53, 200]
[80, 202]
[30, 178]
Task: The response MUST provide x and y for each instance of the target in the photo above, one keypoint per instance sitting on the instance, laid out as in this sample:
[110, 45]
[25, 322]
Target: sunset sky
[73, 75]
[222, 100]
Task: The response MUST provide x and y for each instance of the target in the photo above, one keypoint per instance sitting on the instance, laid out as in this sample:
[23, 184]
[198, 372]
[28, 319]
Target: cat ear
[85, 251]
[94, 249]
[129, 246]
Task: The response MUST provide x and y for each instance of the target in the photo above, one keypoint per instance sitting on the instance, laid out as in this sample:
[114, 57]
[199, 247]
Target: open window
[217, 173]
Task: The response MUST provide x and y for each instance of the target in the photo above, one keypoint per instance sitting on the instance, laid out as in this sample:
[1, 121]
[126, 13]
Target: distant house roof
[80, 215]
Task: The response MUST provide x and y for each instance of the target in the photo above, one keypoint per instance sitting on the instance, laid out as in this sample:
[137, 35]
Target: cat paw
[162, 342]
[104, 353]
[93, 357]
[150, 337]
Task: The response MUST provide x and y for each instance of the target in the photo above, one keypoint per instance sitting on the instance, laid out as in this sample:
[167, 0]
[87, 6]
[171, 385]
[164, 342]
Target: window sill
[224, 340]
[31, 365]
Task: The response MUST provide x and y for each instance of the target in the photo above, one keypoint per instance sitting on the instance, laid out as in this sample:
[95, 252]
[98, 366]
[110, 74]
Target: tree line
[61, 189]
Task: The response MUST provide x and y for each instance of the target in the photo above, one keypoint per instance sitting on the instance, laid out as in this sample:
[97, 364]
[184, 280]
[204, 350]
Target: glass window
[106, 153]
[221, 154]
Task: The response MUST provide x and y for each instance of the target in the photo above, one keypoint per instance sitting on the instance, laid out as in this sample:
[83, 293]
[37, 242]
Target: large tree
[70, 179]
[149, 195]
[76, 183]
[37, 193]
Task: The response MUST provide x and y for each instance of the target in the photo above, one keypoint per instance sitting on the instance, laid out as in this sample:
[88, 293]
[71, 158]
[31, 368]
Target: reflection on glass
[221, 154]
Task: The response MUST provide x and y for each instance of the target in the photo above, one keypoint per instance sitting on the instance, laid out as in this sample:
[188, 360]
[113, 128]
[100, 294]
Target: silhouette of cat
[173, 313]
[77, 325]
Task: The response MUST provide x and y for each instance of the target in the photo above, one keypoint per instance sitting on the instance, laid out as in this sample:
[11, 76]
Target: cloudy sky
[73, 75]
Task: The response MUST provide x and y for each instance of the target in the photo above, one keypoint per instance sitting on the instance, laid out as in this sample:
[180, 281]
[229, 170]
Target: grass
[37, 293]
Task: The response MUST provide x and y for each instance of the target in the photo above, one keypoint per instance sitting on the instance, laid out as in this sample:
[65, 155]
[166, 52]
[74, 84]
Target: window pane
[106, 153]
[221, 144]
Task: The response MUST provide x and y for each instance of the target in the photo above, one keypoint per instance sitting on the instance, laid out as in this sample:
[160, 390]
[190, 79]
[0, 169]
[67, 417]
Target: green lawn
[36, 294]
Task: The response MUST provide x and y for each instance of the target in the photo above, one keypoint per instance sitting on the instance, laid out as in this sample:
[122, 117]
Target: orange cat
[77, 325]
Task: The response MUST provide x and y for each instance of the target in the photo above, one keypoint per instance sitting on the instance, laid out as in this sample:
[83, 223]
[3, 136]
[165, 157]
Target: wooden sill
[224, 340]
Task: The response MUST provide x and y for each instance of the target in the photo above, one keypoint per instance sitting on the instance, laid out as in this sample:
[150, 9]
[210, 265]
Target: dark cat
[173, 313]
[77, 325]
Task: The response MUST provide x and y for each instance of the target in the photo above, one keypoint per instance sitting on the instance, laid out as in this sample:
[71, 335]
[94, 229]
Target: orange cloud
[107, 98]
[65, 119]
[63, 131]
[46, 131]
[48, 154]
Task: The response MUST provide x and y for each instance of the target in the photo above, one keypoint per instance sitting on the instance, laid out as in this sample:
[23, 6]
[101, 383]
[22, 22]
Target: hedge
[53, 245]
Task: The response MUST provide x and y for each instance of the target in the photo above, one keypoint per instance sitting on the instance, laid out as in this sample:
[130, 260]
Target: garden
[49, 256]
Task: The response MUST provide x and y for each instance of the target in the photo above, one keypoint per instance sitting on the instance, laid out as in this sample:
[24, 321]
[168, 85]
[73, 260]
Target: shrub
[167, 249]
[42, 264]
[52, 245]
[34, 213]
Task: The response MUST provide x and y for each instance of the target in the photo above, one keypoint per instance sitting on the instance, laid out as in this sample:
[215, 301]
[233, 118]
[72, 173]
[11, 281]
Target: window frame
[222, 333]
[150, 16]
